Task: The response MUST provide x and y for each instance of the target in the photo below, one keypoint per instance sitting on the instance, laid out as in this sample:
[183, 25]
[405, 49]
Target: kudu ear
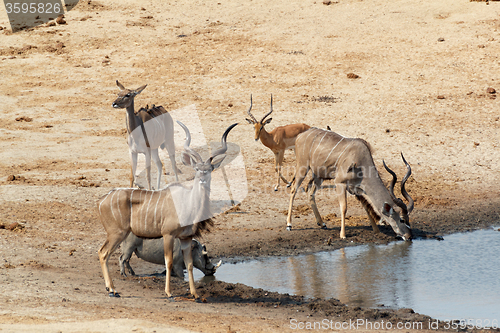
[140, 89]
[120, 85]
[387, 209]
[188, 160]
[217, 164]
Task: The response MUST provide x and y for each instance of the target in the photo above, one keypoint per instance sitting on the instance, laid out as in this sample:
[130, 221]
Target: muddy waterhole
[455, 278]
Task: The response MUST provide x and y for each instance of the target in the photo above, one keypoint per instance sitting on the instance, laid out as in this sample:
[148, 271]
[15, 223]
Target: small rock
[440, 39]
[327, 2]
[14, 226]
[51, 24]
[476, 144]
[352, 76]
[23, 118]
[440, 97]
[491, 90]
[11, 178]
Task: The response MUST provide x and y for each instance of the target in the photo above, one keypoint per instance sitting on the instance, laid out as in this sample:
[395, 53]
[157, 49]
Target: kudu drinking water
[147, 130]
[278, 140]
[174, 212]
[349, 162]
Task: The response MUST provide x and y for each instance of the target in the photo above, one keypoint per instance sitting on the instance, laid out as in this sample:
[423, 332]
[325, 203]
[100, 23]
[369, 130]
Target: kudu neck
[132, 120]
[376, 192]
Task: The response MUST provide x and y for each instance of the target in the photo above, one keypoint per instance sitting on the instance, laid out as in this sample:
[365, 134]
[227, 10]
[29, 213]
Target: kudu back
[174, 212]
[349, 162]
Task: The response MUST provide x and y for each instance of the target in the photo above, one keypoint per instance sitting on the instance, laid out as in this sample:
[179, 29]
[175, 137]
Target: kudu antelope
[278, 140]
[349, 162]
[174, 212]
[148, 130]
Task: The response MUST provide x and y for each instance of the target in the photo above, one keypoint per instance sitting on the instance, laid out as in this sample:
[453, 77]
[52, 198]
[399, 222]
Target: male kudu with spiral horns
[349, 162]
[174, 212]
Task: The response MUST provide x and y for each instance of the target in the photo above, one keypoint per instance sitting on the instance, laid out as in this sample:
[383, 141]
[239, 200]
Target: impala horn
[250, 114]
[263, 118]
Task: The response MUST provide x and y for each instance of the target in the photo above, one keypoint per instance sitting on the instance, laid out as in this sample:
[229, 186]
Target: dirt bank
[422, 73]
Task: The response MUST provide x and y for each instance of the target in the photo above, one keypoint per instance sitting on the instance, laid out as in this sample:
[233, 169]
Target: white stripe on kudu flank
[102, 201]
[343, 151]
[331, 151]
[118, 204]
[311, 131]
[111, 204]
[131, 206]
[156, 206]
[319, 144]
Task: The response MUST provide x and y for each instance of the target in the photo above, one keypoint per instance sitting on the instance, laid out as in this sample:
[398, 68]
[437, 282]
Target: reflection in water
[453, 279]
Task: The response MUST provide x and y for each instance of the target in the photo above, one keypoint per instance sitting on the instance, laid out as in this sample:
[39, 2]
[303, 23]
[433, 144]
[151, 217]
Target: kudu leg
[372, 221]
[299, 178]
[342, 195]
[159, 167]
[278, 162]
[133, 158]
[110, 245]
[188, 261]
[312, 201]
[148, 167]
[170, 145]
[168, 248]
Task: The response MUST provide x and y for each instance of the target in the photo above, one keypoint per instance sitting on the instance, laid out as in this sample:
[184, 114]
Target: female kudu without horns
[148, 130]
[349, 162]
[174, 212]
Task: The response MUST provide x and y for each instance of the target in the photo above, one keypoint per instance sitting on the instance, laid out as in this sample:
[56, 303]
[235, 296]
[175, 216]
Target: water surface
[458, 278]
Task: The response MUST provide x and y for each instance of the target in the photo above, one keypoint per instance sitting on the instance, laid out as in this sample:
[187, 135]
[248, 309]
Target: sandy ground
[423, 71]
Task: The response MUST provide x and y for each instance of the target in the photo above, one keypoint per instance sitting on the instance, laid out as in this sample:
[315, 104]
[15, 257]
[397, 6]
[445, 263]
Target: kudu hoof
[198, 300]
[114, 294]
[288, 228]
[276, 189]
[323, 226]
[171, 299]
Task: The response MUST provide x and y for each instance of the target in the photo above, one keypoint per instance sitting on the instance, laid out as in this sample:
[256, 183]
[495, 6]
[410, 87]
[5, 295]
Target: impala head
[126, 96]
[259, 125]
[203, 168]
[398, 215]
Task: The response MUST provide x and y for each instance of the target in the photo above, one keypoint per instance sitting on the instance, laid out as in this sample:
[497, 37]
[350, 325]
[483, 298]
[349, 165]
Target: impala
[349, 162]
[174, 212]
[148, 130]
[278, 140]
